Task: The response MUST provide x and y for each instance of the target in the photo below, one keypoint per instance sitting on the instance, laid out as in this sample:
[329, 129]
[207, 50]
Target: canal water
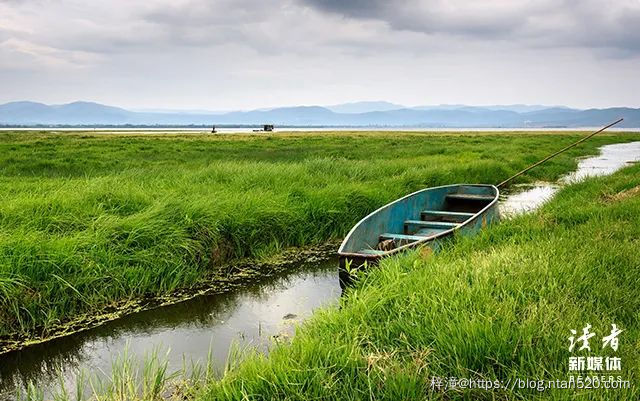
[250, 317]
[528, 197]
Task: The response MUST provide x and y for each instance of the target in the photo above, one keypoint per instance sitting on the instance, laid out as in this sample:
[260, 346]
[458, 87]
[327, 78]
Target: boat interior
[448, 211]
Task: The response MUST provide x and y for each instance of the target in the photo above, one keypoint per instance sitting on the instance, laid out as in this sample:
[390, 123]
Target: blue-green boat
[420, 218]
[426, 216]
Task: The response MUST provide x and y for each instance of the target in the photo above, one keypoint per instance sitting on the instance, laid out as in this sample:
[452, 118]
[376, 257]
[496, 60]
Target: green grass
[131, 378]
[497, 306]
[90, 220]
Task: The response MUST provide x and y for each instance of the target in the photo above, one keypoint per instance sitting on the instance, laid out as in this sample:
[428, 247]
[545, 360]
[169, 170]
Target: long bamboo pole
[557, 153]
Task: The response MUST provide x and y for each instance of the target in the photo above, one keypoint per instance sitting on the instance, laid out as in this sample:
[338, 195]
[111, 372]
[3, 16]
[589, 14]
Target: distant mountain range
[350, 114]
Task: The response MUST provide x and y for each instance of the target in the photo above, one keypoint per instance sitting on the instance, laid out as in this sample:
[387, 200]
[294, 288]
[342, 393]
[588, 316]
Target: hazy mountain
[180, 111]
[519, 108]
[86, 113]
[71, 113]
[364, 107]
[584, 118]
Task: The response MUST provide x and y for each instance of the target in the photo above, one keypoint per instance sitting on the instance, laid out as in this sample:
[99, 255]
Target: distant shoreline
[251, 128]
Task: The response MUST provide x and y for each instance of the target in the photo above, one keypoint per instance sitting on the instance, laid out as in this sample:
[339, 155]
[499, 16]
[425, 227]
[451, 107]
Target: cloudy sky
[242, 54]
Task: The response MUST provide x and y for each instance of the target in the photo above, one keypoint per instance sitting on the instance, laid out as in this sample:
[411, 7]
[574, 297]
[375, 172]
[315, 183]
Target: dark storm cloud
[422, 16]
[355, 7]
[585, 23]
[429, 16]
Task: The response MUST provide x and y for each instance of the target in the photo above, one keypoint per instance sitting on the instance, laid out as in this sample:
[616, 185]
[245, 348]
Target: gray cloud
[255, 53]
[556, 23]
[427, 16]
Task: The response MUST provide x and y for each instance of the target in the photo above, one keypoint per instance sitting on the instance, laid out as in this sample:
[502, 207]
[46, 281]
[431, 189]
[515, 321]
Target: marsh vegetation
[499, 306]
[89, 221]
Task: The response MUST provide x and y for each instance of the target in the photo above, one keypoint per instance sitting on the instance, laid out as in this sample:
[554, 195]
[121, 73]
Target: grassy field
[497, 306]
[89, 220]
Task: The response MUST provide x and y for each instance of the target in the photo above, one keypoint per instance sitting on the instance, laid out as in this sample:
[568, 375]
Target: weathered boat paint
[423, 217]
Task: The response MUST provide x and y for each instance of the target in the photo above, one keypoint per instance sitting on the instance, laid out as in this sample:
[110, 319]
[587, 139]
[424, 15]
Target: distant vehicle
[265, 128]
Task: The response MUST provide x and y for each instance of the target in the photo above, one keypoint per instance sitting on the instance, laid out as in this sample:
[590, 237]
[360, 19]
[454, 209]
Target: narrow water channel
[248, 317]
[528, 197]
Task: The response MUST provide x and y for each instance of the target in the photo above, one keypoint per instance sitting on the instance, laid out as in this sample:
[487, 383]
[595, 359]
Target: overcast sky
[243, 54]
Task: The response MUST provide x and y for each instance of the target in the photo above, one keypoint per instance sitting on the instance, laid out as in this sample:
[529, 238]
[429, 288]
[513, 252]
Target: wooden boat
[419, 218]
[426, 216]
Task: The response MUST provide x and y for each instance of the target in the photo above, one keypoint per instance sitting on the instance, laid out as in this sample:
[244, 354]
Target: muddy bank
[227, 278]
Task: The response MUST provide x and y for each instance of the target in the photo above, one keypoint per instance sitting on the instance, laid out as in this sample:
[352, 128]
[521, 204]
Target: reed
[132, 378]
[91, 220]
[496, 306]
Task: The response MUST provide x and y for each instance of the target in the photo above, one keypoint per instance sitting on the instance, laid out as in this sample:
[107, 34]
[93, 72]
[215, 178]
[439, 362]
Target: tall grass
[143, 378]
[86, 221]
[497, 306]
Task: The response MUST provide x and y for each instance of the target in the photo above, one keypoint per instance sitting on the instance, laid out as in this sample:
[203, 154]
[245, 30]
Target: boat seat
[431, 232]
[430, 224]
[402, 237]
[470, 197]
[371, 252]
[445, 216]
[443, 213]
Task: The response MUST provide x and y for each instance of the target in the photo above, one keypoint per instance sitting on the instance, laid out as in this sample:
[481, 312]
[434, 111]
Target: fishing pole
[557, 153]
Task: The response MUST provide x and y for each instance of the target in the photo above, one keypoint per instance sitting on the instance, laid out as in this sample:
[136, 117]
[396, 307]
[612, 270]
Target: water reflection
[611, 158]
[248, 317]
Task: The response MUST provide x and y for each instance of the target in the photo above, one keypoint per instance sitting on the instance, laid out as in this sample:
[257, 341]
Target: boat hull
[422, 218]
